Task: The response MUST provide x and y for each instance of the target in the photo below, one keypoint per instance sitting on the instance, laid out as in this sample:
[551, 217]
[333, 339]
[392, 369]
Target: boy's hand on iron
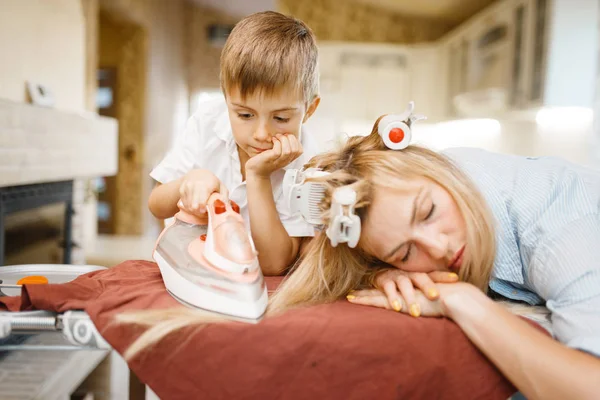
[286, 148]
[396, 284]
[195, 189]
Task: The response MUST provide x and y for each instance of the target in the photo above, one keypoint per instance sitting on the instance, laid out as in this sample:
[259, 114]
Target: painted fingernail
[396, 305]
[415, 310]
[432, 292]
[452, 275]
[350, 297]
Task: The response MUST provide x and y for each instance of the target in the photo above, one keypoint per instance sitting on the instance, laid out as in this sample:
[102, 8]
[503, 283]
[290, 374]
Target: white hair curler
[344, 225]
[303, 197]
[395, 129]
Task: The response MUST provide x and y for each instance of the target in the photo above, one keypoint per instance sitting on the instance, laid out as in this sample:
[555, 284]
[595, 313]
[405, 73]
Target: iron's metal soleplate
[210, 312]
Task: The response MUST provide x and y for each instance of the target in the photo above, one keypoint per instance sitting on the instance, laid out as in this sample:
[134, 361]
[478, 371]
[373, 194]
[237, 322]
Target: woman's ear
[312, 107]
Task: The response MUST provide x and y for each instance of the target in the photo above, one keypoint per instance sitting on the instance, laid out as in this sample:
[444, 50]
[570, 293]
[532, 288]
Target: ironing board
[44, 354]
[317, 351]
[76, 328]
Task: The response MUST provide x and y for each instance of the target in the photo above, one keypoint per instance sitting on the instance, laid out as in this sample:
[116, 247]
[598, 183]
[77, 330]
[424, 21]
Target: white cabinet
[427, 77]
[509, 60]
[365, 80]
[360, 82]
[389, 85]
[520, 55]
[484, 61]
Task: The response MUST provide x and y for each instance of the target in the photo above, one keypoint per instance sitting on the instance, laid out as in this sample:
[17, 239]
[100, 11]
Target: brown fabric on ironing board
[332, 351]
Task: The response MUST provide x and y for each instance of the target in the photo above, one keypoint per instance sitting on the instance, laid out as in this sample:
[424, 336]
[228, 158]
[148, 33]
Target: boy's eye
[244, 115]
[282, 119]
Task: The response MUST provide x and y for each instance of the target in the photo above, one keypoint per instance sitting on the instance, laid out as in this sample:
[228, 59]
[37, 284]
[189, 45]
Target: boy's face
[258, 118]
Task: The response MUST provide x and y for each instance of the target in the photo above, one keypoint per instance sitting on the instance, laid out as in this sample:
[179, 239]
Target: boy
[244, 142]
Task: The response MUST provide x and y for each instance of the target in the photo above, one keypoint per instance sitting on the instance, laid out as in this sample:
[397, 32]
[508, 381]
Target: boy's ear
[312, 107]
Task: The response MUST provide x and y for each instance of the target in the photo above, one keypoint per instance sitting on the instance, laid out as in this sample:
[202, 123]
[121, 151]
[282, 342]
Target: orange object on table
[33, 280]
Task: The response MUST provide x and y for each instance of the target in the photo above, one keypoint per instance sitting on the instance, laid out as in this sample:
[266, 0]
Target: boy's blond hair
[268, 51]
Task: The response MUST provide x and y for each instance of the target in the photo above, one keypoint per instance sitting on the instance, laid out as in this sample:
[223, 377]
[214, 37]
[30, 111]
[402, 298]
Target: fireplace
[20, 198]
[46, 156]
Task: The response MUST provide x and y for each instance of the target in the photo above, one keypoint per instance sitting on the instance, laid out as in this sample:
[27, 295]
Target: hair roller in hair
[395, 129]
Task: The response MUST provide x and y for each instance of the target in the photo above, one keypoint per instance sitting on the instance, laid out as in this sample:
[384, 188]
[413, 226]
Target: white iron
[210, 263]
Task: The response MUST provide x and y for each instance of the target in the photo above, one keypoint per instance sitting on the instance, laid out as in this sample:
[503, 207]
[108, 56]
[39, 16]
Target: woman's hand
[399, 287]
[449, 295]
[376, 298]
[538, 365]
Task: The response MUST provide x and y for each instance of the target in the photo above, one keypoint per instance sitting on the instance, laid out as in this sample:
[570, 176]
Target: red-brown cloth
[331, 351]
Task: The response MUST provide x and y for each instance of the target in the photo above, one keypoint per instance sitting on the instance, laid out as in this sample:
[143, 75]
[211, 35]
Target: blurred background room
[93, 93]
[120, 78]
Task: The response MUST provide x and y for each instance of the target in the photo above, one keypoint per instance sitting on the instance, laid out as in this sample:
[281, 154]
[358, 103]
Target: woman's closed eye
[430, 213]
[410, 246]
[407, 255]
[282, 119]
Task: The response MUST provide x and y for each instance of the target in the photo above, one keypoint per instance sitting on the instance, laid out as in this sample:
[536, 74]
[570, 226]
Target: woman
[516, 228]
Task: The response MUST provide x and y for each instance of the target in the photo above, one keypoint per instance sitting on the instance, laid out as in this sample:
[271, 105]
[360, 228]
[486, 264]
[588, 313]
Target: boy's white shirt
[207, 143]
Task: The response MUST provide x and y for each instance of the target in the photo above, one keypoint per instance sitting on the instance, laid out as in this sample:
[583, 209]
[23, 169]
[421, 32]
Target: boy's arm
[276, 249]
[163, 199]
[193, 189]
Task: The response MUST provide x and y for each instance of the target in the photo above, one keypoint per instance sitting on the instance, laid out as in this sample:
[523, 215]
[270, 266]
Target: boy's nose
[261, 133]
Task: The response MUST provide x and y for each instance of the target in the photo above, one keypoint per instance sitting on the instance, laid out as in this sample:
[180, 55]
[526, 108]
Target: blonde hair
[328, 273]
[268, 51]
[366, 164]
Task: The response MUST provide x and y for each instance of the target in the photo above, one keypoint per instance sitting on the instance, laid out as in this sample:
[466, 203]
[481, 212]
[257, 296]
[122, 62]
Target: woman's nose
[435, 243]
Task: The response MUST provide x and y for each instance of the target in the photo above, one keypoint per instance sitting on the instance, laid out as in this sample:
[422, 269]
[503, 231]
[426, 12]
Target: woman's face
[416, 229]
